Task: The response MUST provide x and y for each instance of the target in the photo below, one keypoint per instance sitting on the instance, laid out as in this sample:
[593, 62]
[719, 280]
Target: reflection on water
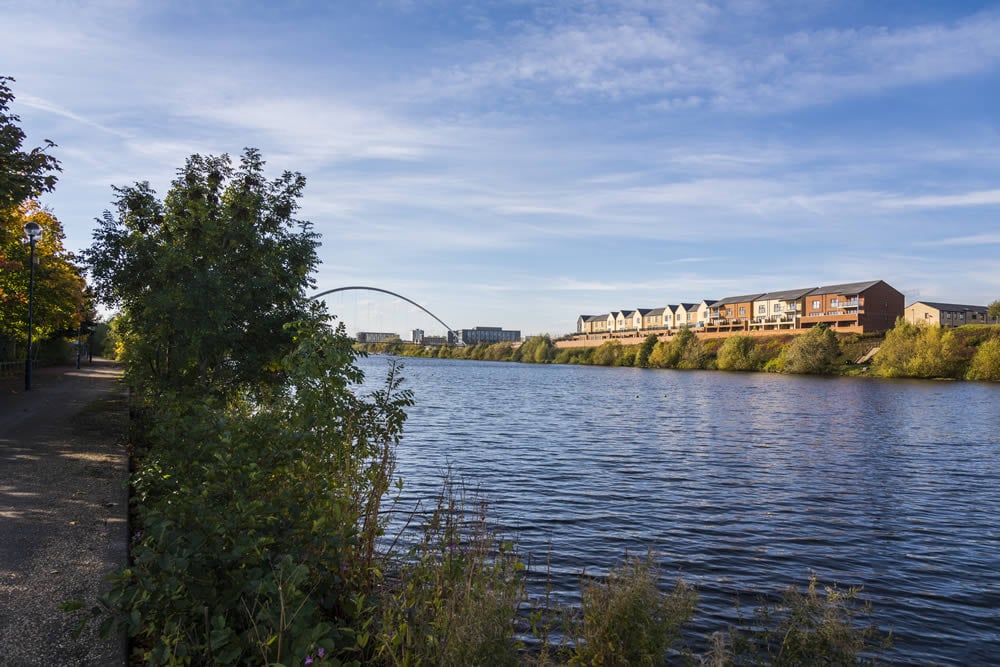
[744, 483]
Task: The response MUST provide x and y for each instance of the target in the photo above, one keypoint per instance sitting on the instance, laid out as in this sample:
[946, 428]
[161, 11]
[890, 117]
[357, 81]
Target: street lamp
[34, 232]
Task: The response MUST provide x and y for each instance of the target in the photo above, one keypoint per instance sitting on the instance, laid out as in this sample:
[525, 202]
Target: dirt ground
[63, 511]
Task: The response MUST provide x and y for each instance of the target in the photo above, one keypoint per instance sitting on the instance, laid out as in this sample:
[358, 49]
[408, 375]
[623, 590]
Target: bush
[458, 594]
[811, 353]
[536, 350]
[738, 353]
[627, 620]
[985, 364]
[607, 353]
[258, 518]
[805, 629]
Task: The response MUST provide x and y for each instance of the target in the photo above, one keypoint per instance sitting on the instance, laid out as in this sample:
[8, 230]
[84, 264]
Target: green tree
[207, 279]
[536, 350]
[60, 299]
[607, 353]
[23, 174]
[642, 360]
[738, 353]
[985, 364]
[993, 310]
[688, 350]
[897, 350]
[935, 354]
[812, 352]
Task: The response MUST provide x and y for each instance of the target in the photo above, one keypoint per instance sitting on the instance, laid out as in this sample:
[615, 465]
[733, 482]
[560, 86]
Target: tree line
[968, 352]
[60, 299]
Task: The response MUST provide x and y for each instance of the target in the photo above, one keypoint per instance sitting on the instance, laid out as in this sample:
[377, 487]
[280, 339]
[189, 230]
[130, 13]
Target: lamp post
[34, 232]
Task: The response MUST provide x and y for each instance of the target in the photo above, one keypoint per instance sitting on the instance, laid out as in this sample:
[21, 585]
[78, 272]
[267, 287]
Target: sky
[517, 164]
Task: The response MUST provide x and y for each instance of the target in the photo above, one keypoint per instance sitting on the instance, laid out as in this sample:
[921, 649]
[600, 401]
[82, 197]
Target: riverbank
[63, 504]
[970, 352]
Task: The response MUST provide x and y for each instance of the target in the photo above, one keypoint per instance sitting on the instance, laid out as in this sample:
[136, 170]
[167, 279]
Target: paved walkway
[63, 505]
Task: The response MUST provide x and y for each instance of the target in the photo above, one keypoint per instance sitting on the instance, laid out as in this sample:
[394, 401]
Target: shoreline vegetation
[263, 481]
[968, 352]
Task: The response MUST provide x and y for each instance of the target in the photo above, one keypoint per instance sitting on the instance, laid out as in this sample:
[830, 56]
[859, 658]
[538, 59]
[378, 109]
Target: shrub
[642, 359]
[458, 593]
[738, 353]
[607, 353]
[896, 350]
[805, 629]
[811, 353]
[985, 364]
[627, 620]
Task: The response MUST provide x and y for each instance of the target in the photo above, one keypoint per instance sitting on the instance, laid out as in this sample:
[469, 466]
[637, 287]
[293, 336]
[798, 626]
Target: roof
[656, 311]
[954, 307]
[736, 299]
[846, 288]
[595, 318]
[688, 306]
[787, 295]
[643, 311]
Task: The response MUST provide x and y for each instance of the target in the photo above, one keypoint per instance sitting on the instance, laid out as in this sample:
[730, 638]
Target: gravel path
[63, 508]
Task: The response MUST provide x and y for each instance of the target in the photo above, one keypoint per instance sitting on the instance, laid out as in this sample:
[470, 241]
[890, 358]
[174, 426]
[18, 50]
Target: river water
[743, 484]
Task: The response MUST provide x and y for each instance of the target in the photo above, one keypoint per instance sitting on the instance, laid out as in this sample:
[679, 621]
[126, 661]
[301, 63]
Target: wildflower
[309, 660]
[321, 651]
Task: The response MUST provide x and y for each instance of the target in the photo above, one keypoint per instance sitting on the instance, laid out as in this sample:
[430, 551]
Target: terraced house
[861, 307]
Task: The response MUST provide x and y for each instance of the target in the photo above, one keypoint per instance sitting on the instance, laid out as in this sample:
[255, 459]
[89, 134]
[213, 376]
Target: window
[762, 309]
[743, 310]
[777, 307]
[815, 304]
[834, 302]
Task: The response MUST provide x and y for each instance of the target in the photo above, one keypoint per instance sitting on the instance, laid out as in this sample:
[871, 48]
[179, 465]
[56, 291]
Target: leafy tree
[642, 360]
[536, 350]
[738, 353]
[993, 310]
[935, 354]
[60, 300]
[208, 278]
[607, 353]
[896, 350]
[985, 364]
[23, 174]
[688, 349]
[811, 353]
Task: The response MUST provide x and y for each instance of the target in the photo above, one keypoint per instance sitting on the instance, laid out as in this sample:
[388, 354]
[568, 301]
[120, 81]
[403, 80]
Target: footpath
[63, 511]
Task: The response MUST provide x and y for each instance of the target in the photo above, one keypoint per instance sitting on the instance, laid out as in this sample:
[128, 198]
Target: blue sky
[518, 163]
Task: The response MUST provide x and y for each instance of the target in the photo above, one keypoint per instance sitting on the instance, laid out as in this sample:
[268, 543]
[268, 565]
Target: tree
[642, 360]
[811, 353]
[60, 300]
[738, 353]
[985, 364]
[23, 174]
[208, 278]
[993, 310]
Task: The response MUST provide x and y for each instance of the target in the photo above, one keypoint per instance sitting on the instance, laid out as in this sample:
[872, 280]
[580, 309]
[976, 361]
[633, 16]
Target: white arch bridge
[365, 288]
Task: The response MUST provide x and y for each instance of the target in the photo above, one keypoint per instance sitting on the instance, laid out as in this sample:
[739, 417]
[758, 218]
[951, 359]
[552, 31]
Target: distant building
[947, 314]
[490, 335]
[375, 337]
[434, 340]
[417, 336]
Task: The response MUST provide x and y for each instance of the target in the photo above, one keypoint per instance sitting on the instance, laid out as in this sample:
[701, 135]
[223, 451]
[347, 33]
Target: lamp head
[33, 231]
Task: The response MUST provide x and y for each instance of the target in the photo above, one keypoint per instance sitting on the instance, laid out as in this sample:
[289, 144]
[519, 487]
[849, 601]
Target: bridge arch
[458, 338]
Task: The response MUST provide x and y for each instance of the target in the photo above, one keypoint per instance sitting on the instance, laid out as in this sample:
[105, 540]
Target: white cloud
[977, 198]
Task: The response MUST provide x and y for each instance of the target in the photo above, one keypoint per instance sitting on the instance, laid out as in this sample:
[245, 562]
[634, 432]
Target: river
[742, 484]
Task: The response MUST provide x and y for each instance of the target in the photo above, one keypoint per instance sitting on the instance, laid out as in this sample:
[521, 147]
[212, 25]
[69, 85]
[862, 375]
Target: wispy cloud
[972, 239]
[977, 198]
[677, 54]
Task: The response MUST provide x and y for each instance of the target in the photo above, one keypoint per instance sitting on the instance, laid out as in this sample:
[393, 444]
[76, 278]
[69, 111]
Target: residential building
[490, 335]
[869, 306]
[732, 313]
[947, 314]
[779, 310]
[654, 319]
